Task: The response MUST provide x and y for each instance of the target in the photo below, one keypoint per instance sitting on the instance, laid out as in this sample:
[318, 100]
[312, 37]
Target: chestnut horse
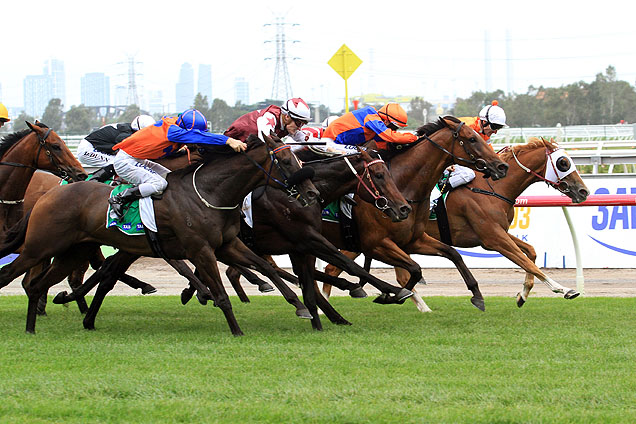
[281, 227]
[22, 152]
[479, 213]
[197, 219]
[416, 171]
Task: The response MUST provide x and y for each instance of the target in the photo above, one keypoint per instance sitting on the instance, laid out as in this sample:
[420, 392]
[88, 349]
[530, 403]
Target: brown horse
[416, 171]
[37, 147]
[281, 227]
[197, 218]
[480, 213]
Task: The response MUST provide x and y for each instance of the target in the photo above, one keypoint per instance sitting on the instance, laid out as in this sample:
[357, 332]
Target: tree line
[606, 100]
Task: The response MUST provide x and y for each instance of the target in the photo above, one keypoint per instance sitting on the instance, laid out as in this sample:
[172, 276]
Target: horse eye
[379, 176]
[473, 140]
[55, 147]
[563, 164]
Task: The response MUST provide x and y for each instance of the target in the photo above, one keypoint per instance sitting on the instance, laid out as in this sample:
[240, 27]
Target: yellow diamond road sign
[344, 62]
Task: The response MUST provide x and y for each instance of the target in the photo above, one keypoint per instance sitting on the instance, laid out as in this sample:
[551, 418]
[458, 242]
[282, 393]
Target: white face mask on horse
[559, 165]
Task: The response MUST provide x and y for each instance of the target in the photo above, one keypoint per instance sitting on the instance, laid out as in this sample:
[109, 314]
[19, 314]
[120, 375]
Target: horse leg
[235, 252]
[402, 277]
[427, 245]
[334, 271]
[60, 268]
[75, 280]
[107, 274]
[304, 266]
[354, 289]
[524, 255]
[328, 309]
[26, 280]
[234, 276]
[207, 267]
[263, 286]
[97, 259]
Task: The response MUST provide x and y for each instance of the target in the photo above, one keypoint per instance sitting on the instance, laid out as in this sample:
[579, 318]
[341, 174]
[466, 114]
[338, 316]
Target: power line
[281, 88]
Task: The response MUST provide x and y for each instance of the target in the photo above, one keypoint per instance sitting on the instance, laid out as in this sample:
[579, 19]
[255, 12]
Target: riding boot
[103, 174]
[120, 200]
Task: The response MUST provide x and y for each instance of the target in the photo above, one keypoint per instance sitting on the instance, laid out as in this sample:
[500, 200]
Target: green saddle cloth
[331, 213]
[130, 224]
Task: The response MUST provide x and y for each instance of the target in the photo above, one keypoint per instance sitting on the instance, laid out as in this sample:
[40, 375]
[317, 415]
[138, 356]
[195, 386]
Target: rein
[274, 161]
[472, 161]
[381, 202]
[554, 184]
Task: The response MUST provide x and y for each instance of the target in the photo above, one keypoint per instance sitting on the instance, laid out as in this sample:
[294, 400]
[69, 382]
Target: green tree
[53, 115]
[79, 120]
[131, 112]
[418, 110]
[202, 105]
[19, 123]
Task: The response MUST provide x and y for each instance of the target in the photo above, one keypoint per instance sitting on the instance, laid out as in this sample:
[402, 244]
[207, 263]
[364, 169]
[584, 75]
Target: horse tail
[15, 236]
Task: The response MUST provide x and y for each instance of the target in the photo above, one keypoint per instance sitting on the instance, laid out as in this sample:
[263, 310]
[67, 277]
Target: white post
[577, 253]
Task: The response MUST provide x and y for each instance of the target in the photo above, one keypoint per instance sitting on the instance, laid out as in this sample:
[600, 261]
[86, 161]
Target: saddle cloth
[139, 215]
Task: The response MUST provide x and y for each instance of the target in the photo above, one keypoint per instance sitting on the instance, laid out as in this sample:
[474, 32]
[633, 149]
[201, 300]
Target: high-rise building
[55, 68]
[241, 90]
[155, 102]
[185, 87]
[38, 91]
[205, 82]
[95, 89]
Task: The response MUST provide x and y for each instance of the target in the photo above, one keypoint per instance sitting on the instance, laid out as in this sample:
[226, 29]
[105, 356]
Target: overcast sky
[430, 49]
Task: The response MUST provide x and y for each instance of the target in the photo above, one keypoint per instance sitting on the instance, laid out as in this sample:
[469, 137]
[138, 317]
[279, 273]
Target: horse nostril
[405, 210]
[503, 168]
[583, 192]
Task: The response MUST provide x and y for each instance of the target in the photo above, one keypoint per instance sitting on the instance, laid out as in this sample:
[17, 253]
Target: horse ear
[30, 125]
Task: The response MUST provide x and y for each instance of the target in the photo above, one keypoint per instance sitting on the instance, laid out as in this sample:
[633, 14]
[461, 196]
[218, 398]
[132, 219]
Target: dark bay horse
[416, 171]
[22, 153]
[281, 227]
[197, 219]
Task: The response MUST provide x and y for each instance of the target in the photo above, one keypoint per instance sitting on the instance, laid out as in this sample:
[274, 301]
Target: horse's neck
[227, 183]
[417, 170]
[13, 185]
[334, 180]
[517, 179]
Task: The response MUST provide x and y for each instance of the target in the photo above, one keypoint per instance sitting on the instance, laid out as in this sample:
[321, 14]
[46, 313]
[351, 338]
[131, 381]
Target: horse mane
[9, 140]
[532, 144]
[432, 127]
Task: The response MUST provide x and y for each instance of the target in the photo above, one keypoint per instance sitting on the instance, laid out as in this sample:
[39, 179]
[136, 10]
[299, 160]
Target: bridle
[479, 164]
[380, 201]
[43, 145]
[292, 191]
[556, 184]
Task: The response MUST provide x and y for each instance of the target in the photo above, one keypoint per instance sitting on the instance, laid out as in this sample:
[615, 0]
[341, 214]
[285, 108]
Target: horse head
[376, 186]
[555, 167]
[57, 157]
[469, 149]
[296, 180]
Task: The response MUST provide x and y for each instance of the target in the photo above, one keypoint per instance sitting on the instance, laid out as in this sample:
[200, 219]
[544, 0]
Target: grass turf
[153, 360]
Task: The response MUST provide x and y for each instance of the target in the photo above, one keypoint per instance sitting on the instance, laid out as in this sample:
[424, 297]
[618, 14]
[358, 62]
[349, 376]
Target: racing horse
[22, 153]
[197, 219]
[281, 227]
[480, 213]
[415, 171]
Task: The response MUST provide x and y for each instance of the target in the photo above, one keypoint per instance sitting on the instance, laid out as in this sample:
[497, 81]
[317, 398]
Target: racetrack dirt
[441, 281]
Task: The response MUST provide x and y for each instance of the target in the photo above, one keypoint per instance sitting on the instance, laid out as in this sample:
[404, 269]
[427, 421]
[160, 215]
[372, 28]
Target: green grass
[153, 360]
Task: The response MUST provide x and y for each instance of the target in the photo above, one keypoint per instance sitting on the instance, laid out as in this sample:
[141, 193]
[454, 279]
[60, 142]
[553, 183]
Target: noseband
[556, 184]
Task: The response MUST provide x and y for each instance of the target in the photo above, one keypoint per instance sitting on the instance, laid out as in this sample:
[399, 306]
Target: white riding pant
[332, 146]
[461, 175]
[148, 175]
[87, 155]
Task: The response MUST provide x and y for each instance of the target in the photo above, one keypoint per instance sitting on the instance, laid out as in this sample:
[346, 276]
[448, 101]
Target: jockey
[133, 161]
[362, 125]
[4, 115]
[97, 148]
[285, 120]
[491, 119]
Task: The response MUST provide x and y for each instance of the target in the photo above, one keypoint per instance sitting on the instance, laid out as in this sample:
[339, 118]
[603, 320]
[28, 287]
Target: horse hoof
[342, 322]
[520, 300]
[422, 282]
[30, 332]
[60, 298]
[41, 313]
[202, 300]
[479, 303]
[265, 288]
[148, 289]
[186, 295]
[572, 294]
[304, 314]
[402, 295]
[383, 299]
[358, 293]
